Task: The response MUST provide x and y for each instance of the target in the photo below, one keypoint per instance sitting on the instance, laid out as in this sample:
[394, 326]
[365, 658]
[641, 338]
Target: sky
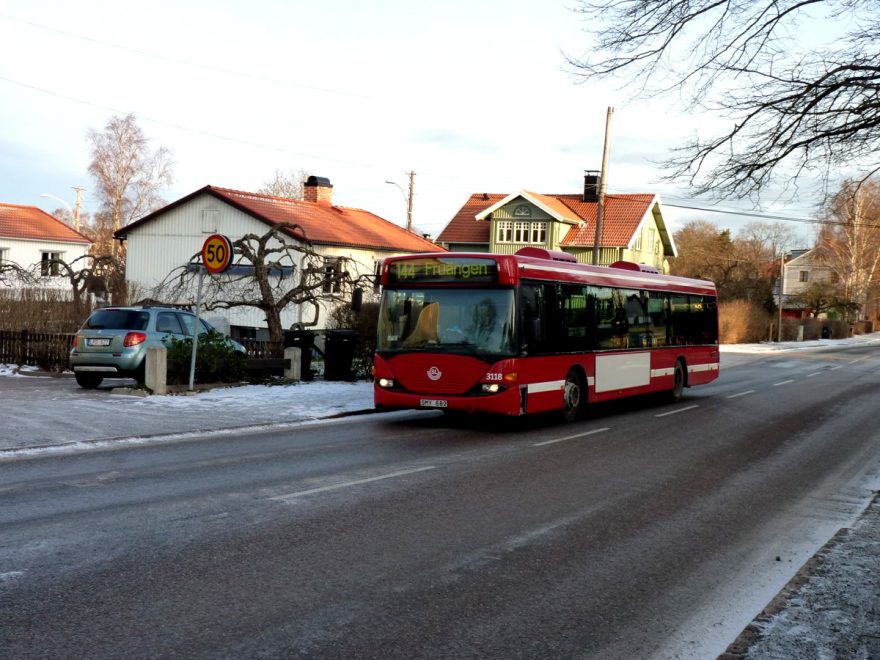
[471, 96]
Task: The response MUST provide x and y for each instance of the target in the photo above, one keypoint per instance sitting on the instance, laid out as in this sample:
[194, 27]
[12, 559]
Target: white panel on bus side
[617, 372]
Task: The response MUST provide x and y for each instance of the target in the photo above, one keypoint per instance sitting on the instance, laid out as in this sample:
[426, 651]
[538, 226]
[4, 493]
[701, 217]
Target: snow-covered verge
[831, 608]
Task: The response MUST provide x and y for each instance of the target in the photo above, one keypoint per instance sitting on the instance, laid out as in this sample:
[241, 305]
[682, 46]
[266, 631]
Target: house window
[539, 232]
[504, 232]
[4, 255]
[333, 275]
[49, 266]
[638, 244]
[804, 276]
[521, 232]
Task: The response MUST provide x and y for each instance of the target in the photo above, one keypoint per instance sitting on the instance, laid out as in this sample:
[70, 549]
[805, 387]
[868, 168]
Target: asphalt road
[648, 529]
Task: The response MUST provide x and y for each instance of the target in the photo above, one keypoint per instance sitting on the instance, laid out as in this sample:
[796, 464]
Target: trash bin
[304, 340]
[826, 332]
[339, 353]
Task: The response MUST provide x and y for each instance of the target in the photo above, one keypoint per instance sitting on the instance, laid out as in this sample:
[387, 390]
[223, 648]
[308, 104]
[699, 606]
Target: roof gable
[623, 215]
[322, 223]
[29, 223]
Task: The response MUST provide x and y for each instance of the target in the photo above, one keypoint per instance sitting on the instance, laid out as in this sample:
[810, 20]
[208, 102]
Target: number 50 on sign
[217, 253]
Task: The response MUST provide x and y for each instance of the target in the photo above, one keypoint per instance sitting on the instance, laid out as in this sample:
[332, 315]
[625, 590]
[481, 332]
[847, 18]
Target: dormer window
[520, 232]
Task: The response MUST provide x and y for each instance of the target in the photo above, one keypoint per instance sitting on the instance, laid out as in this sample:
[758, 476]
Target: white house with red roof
[355, 239]
[633, 228]
[32, 239]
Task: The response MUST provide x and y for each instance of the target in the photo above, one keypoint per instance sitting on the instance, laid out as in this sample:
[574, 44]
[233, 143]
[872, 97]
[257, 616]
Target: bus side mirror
[357, 299]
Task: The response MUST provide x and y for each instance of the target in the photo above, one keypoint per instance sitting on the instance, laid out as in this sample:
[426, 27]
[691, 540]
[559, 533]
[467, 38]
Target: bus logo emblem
[434, 373]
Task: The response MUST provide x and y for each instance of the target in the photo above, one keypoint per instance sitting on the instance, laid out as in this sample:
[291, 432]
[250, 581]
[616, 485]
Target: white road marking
[675, 412]
[784, 382]
[733, 396]
[815, 373]
[347, 484]
[571, 437]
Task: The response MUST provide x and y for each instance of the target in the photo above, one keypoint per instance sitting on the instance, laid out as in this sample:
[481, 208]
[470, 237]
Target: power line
[186, 129]
[197, 65]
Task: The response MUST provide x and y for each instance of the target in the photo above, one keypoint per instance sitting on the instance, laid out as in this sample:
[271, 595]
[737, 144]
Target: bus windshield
[454, 320]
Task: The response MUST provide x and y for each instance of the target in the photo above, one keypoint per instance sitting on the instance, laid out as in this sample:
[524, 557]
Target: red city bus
[536, 331]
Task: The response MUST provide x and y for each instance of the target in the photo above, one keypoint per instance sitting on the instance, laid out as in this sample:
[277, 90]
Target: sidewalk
[830, 608]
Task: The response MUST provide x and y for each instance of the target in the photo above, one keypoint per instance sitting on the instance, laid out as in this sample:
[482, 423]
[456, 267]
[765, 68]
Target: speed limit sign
[217, 253]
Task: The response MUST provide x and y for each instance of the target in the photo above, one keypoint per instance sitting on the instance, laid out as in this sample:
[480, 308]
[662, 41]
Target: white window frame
[47, 269]
[504, 231]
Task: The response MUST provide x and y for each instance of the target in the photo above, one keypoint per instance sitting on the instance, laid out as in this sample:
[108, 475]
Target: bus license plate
[433, 403]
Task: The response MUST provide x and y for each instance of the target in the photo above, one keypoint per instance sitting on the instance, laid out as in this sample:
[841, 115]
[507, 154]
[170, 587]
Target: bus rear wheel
[574, 395]
[677, 382]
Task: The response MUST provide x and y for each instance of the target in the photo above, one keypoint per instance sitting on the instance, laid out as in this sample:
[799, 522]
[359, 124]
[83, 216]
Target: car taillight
[75, 341]
[134, 338]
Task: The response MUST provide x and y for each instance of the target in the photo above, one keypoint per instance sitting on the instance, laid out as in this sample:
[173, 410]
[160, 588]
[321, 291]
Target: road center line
[571, 437]
[784, 382]
[733, 396]
[675, 412]
[347, 484]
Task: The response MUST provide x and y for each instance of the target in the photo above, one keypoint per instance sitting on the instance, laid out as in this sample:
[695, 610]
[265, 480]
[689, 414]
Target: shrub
[741, 322]
[216, 360]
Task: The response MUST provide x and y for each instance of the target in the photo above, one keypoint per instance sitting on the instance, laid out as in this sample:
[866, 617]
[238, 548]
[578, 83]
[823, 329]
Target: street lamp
[74, 216]
[408, 201]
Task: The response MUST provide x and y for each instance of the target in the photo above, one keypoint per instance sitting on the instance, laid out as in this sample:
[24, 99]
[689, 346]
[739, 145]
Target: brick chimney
[318, 189]
[591, 186]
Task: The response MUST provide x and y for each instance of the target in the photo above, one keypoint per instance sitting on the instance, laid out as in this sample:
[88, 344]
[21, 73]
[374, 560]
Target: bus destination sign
[441, 270]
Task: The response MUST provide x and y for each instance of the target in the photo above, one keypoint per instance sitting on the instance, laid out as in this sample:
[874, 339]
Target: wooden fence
[46, 350]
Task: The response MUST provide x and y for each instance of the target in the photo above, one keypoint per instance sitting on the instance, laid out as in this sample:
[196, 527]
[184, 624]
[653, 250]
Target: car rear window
[117, 319]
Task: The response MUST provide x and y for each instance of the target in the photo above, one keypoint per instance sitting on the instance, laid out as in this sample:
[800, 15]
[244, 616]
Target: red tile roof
[323, 223]
[32, 223]
[464, 227]
[621, 218]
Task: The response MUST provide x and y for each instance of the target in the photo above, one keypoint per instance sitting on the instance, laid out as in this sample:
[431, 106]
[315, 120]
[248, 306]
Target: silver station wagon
[113, 341]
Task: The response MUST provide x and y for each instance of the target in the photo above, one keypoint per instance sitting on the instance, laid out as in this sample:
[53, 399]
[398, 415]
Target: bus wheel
[677, 382]
[574, 395]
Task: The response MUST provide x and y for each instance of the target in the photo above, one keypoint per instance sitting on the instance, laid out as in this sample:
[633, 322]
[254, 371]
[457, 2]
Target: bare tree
[288, 185]
[12, 275]
[851, 238]
[273, 273]
[127, 173]
[88, 273]
[792, 108]
[821, 296]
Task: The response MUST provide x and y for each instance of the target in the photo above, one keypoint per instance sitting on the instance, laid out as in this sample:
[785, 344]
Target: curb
[159, 436]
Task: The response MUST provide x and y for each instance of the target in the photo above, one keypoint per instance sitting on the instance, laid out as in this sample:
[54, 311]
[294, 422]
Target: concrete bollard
[156, 370]
[294, 357]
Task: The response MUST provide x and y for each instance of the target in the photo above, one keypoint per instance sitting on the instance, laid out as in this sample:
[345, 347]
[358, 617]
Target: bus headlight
[385, 383]
[490, 388]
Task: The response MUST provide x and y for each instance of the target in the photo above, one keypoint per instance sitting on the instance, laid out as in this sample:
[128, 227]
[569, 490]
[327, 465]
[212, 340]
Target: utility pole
[76, 215]
[600, 207]
[409, 201]
[781, 287]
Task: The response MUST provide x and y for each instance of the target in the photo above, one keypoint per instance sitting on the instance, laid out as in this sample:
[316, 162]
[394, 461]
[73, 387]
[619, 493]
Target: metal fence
[46, 350]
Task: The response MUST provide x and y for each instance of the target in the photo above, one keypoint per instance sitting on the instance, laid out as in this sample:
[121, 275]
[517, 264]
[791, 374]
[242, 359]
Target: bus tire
[574, 396]
[678, 381]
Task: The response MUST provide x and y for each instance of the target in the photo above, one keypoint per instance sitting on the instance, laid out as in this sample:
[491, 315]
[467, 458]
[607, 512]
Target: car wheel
[88, 381]
[574, 395]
